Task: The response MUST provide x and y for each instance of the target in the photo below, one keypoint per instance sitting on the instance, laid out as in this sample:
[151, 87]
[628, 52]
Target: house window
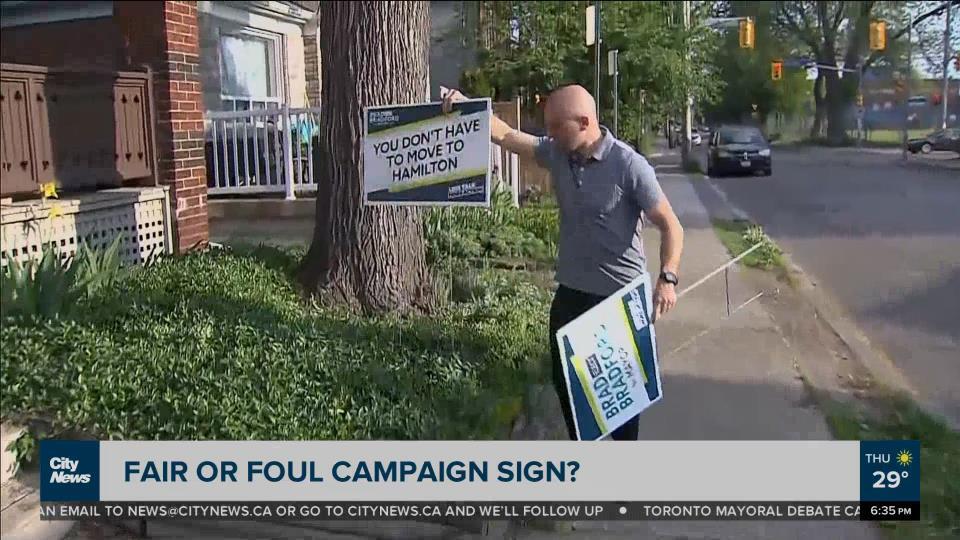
[249, 70]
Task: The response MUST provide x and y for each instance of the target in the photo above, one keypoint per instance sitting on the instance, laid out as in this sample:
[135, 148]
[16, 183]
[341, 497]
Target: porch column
[164, 35]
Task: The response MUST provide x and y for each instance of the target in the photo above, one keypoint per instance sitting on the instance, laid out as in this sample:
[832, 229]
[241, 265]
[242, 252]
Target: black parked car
[735, 149]
[945, 139]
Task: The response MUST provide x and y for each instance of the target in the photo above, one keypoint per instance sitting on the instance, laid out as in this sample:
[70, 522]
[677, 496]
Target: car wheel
[767, 172]
[926, 148]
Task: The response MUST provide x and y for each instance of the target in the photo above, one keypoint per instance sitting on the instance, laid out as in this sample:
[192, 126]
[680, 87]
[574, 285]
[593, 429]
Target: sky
[937, 25]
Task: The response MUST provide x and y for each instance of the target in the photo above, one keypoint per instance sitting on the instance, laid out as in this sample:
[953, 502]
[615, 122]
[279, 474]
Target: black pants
[568, 304]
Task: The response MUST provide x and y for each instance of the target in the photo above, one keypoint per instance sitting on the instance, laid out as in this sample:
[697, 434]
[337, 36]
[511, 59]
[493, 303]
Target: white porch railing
[251, 151]
[261, 151]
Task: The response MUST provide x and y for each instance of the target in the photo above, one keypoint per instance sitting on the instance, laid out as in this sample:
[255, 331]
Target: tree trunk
[820, 111]
[836, 110]
[372, 258]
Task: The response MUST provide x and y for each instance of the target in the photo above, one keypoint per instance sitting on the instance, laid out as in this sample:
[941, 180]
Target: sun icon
[904, 458]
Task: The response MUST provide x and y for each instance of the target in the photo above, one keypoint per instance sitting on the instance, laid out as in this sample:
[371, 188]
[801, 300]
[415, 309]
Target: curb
[894, 154]
[943, 165]
[839, 322]
[835, 318]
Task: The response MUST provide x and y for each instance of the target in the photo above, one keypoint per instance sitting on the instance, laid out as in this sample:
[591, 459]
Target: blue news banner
[354, 480]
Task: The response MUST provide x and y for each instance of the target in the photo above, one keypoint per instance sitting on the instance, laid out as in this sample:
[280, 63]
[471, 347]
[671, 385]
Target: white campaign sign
[416, 154]
[610, 363]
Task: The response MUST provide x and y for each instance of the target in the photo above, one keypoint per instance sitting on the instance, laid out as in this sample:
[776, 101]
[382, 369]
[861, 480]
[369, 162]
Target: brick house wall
[165, 36]
[311, 67]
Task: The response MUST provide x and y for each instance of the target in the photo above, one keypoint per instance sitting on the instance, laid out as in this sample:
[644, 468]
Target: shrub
[768, 254]
[466, 287]
[218, 345]
[98, 269]
[503, 231]
[534, 197]
[52, 286]
[739, 236]
[44, 288]
[543, 223]
[454, 244]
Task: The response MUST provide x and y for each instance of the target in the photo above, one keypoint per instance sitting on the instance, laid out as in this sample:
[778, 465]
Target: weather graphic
[904, 458]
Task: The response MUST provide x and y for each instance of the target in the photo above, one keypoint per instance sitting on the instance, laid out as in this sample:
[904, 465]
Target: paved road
[885, 240]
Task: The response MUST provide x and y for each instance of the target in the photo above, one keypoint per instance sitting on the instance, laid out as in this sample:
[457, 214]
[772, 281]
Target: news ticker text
[493, 511]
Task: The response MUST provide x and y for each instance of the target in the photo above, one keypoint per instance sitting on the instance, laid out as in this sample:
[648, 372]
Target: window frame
[275, 46]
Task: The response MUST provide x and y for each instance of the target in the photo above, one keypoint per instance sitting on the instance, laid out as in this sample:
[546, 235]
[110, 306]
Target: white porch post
[288, 153]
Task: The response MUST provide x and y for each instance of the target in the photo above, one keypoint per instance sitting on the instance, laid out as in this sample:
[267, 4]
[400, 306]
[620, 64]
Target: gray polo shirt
[601, 200]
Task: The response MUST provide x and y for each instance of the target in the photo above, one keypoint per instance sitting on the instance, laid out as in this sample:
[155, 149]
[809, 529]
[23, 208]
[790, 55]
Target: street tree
[928, 36]
[531, 47]
[746, 72]
[833, 32]
[663, 59]
[830, 32]
[371, 258]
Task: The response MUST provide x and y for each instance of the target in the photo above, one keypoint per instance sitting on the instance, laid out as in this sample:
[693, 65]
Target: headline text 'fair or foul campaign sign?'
[610, 361]
[416, 154]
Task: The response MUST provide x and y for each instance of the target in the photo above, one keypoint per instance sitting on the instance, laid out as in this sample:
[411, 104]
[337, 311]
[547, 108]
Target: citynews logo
[65, 471]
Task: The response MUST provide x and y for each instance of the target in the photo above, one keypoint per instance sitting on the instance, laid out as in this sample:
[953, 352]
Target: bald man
[604, 189]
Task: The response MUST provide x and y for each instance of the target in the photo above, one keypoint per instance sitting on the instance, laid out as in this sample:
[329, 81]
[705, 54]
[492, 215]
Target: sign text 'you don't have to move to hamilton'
[428, 152]
[418, 154]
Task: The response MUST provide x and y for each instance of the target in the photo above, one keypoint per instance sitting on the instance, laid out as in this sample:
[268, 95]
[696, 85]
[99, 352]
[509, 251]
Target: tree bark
[372, 258]
[820, 109]
[836, 109]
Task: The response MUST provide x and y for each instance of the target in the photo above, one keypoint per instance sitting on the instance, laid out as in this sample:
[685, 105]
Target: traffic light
[747, 33]
[878, 35]
[776, 70]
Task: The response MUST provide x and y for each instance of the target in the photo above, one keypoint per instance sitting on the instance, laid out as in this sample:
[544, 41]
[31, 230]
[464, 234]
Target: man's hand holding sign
[601, 331]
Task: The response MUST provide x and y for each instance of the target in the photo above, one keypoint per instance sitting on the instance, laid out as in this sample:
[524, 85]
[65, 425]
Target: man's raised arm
[514, 140]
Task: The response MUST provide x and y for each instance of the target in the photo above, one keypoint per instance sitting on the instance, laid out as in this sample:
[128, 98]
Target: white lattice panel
[138, 215]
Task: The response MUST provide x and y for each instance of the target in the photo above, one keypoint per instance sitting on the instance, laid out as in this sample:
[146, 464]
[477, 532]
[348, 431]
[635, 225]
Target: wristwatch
[670, 278]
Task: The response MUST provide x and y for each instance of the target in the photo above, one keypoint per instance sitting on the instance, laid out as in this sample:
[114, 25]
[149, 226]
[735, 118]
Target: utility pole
[613, 66]
[860, 60]
[907, 90]
[596, 23]
[946, 69]
[860, 109]
[686, 109]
